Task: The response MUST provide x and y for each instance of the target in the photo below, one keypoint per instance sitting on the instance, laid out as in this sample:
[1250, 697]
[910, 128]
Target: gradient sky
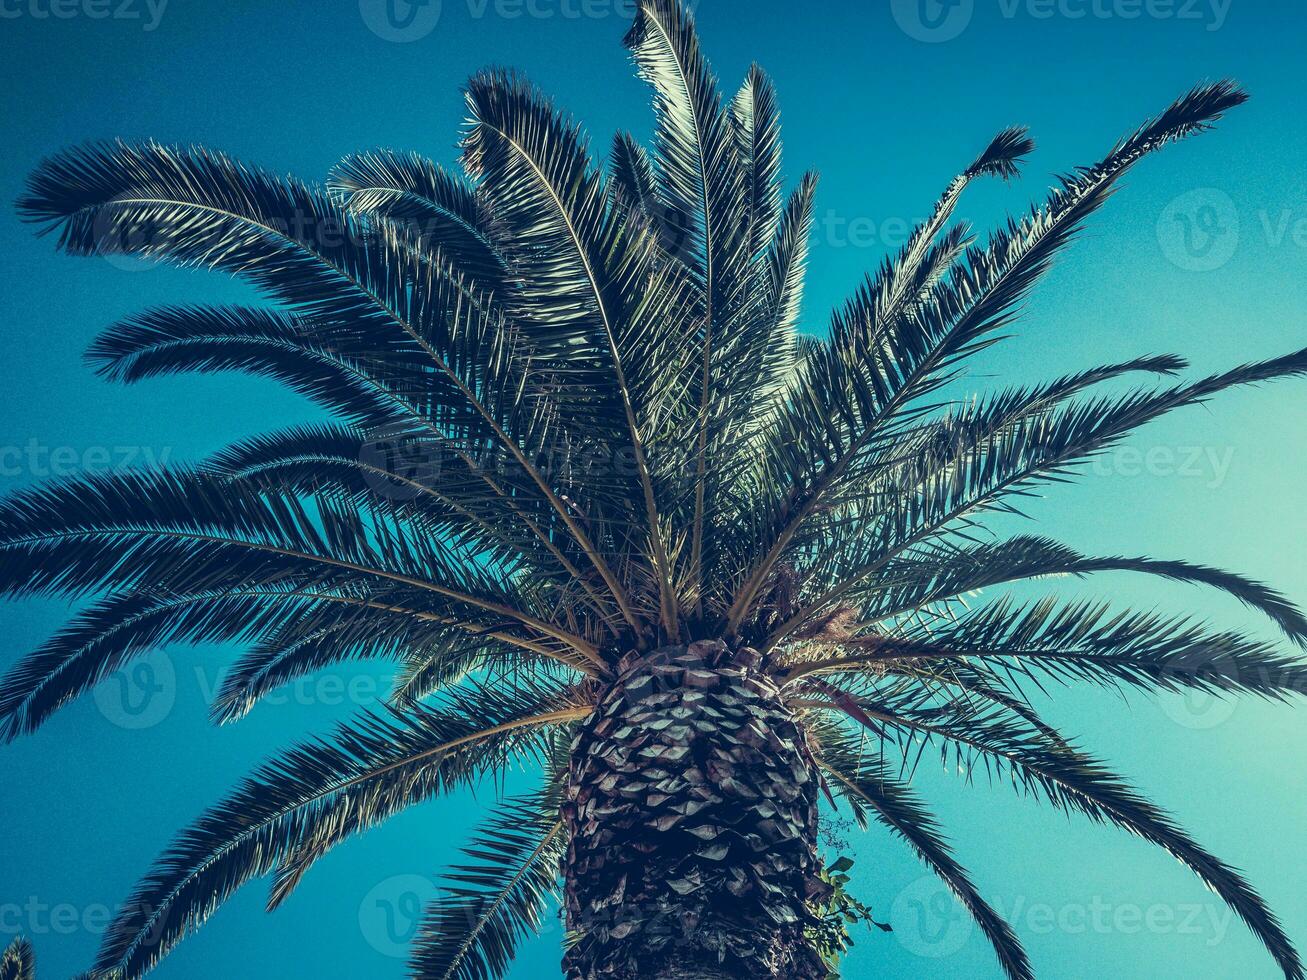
[1202, 253]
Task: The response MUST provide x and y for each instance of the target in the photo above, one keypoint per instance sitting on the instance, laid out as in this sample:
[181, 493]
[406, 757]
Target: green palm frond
[1001, 648]
[184, 530]
[1043, 447]
[1092, 642]
[294, 809]
[580, 272]
[755, 120]
[850, 402]
[931, 575]
[193, 207]
[1011, 750]
[339, 633]
[788, 261]
[868, 785]
[703, 182]
[997, 455]
[906, 278]
[442, 208]
[266, 343]
[632, 175]
[486, 908]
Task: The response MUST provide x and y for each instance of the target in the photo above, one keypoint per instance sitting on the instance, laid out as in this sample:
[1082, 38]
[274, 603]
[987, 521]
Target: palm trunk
[692, 817]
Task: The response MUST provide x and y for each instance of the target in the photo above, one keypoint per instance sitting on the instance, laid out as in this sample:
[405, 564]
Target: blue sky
[1203, 253]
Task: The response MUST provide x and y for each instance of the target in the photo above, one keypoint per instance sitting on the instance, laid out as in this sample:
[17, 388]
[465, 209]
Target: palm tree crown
[576, 421]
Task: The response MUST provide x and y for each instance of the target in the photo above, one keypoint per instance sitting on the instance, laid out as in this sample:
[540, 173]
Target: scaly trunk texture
[692, 816]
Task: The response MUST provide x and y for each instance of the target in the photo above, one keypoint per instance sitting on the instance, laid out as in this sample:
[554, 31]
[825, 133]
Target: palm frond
[184, 531]
[788, 259]
[343, 635]
[934, 574]
[755, 119]
[486, 908]
[206, 339]
[884, 299]
[1093, 642]
[1071, 780]
[1043, 447]
[200, 208]
[194, 207]
[423, 478]
[578, 266]
[439, 206]
[112, 632]
[703, 183]
[868, 784]
[632, 175]
[848, 402]
[302, 803]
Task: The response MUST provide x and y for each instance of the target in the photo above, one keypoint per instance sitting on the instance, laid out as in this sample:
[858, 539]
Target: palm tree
[608, 510]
